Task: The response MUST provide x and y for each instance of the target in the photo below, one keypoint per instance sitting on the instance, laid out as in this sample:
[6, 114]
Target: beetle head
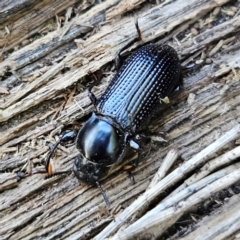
[90, 173]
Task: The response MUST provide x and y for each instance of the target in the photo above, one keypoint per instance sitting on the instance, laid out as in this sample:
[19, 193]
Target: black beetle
[148, 76]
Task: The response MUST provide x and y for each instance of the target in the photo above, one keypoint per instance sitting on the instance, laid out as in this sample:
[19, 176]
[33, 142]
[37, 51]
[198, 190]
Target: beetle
[149, 75]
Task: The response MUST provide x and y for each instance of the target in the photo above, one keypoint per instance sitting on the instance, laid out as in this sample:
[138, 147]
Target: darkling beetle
[148, 76]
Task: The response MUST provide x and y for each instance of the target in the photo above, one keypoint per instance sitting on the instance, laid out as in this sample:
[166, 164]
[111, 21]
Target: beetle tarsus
[138, 29]
[136, 162]
[21, 175]
[155, 136]
[103, 193]
[130, 176]
[92, 96]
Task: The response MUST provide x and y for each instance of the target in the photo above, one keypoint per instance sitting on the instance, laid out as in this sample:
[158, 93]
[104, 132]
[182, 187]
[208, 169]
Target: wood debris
[166, 165]
[43, 92]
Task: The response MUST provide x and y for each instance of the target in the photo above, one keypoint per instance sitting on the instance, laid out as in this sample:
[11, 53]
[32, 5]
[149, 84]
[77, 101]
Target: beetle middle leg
[130, 176]
[143, 139]
[118, 59]
[128, 168]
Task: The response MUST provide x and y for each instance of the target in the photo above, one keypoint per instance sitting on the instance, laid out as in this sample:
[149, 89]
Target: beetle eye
[76, 164]
[76, 161]
[79, 160]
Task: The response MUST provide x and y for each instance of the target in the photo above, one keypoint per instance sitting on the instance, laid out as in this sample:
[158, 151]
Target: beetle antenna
[103, 193]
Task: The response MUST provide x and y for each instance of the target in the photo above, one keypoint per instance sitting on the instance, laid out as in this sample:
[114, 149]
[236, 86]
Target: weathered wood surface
[26, 18]
[224, 222]
[43, 87]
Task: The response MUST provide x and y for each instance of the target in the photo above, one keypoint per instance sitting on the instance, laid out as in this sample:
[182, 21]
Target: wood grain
[47, 80]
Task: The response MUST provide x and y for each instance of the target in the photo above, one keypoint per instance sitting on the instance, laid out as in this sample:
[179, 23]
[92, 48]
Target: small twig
[59, 109]
[216, 48]
[232, 47]
[78, 105]
[208, 168]
[229, 40]
[64, 149]
[16, 75]
[165, 166]
[55, 131]
[164, 219]
[7, 150]
[70, 97]
[47, 114]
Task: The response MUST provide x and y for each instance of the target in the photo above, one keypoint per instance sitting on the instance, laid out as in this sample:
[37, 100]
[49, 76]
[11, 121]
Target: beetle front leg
[69, 136]
[92, 96]
[27, 171]
[21, 175]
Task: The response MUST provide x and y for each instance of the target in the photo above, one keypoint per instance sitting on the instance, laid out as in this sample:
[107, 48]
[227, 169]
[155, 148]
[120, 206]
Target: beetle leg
[90, 93]
[127, 168]
[25, 171]
[133, 144]
[118, 59]
[130, 176]
[103, 193]
[178, 85]
[92, 96]
[50, 172]
[21, 175]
